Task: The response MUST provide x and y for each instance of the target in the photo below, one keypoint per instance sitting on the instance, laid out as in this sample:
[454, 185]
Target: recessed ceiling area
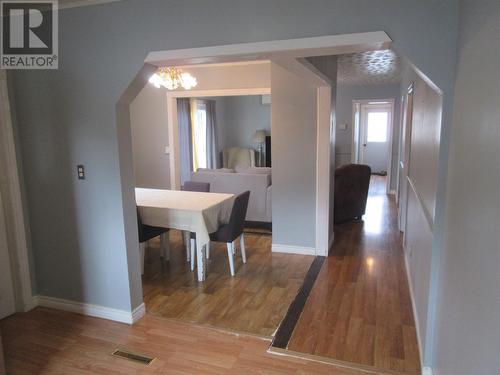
[368, 68]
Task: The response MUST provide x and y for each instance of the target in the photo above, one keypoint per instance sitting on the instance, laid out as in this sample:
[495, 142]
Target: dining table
[196, 212]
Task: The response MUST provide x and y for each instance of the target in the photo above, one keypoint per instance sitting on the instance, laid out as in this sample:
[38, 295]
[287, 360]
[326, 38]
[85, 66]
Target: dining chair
[202, 187]
[229, 232]
[146, 233]
[190, 238]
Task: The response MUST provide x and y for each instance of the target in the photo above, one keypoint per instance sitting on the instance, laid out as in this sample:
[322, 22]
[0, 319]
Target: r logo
[29, 34]
[27, 29]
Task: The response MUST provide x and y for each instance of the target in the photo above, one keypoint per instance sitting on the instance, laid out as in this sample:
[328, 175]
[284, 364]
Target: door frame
[13, 205]
[291, 52]
[405, 151]
[356, 153]
[173, 130]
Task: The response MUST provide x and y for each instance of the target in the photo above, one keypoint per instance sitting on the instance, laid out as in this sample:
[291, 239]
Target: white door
[374, 136]
[7, 301]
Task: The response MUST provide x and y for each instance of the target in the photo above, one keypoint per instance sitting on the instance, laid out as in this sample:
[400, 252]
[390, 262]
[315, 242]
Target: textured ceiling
[365, 68]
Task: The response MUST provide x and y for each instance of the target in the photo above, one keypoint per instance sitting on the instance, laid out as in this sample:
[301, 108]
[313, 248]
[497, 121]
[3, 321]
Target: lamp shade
[260, 136]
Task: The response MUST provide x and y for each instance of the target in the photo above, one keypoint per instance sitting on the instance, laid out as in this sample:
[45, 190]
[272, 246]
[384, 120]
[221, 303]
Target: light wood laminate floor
[46, 341]
[359, 309]
[254, 301]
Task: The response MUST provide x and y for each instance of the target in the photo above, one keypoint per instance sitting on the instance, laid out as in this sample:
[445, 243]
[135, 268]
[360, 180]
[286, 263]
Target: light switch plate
[80, 169]
[167, 150]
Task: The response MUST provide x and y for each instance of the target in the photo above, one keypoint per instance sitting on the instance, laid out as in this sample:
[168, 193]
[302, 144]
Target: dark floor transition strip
[285, 330]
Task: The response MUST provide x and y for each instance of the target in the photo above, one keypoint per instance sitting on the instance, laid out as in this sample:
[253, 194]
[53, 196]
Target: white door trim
[273, 49]
[323, 133]
[173, 130]
[365, 102]
[14, 205]
[356, 112]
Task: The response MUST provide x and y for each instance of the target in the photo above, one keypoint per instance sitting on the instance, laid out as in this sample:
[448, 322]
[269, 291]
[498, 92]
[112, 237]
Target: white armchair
[238, 157]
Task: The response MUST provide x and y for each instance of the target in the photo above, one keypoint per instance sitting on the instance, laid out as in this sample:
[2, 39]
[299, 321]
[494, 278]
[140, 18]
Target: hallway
[359, 310]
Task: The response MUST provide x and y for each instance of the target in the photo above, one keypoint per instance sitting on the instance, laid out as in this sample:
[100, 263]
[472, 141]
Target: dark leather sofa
[351, 191]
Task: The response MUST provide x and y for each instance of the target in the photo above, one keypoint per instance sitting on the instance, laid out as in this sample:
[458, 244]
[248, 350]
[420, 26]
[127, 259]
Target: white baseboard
[414, 309]
[427, 371]
[290, 249]
[330, 243]
[138, 312]
[122, 316]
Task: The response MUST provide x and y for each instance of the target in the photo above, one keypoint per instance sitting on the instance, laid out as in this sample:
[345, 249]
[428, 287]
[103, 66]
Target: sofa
[351, 192]
[256, 180]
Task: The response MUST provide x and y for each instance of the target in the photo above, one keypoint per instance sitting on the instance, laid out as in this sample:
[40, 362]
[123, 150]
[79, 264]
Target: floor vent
[138, 358]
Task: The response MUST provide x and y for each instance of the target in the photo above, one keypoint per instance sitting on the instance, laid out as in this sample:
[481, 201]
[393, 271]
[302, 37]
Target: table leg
[192, 249]
[200, 254]
[186, 240]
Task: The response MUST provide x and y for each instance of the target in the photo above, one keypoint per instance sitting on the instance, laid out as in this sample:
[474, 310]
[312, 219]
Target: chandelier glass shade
[172, 79]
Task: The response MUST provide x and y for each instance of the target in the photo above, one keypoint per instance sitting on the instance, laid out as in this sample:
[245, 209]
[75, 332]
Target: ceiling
[368, 68]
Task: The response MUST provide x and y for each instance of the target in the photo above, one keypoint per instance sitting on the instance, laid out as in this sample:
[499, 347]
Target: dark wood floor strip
[285, 329]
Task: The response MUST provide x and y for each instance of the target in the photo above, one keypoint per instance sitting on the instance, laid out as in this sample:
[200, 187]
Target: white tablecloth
[201, 213]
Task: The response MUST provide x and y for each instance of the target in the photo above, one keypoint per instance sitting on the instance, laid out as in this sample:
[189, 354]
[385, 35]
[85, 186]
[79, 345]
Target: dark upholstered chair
[146, 233]
[351, 191]
[233, 229]
[201, 187]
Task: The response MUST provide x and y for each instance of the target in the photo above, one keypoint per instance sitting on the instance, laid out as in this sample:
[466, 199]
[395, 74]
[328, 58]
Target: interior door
[7, 299]
[375, 125]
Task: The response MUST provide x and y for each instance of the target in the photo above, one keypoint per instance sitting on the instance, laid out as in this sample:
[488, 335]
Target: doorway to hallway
[372, 135]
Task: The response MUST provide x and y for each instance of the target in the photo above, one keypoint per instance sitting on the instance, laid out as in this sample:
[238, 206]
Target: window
[377, 127]
[200, 136]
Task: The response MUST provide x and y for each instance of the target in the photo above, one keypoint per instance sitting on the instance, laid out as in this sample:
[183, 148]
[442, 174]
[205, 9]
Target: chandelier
[173, 78]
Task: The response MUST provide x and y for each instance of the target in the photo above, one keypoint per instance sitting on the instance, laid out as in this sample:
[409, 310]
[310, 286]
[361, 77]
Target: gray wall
[294, 118]
[421, 187]
[345, 95]
[240, 117]
[67, 116]
[468, 313]
[149, 126]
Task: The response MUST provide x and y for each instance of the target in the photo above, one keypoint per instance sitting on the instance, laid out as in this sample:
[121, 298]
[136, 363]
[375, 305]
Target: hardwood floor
[358, 313]
[254, 301]
[46, 341]
[359, 309]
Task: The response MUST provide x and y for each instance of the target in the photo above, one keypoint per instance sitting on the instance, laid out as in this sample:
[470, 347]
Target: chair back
[202, 187]
[351, 191]
[238, 214]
